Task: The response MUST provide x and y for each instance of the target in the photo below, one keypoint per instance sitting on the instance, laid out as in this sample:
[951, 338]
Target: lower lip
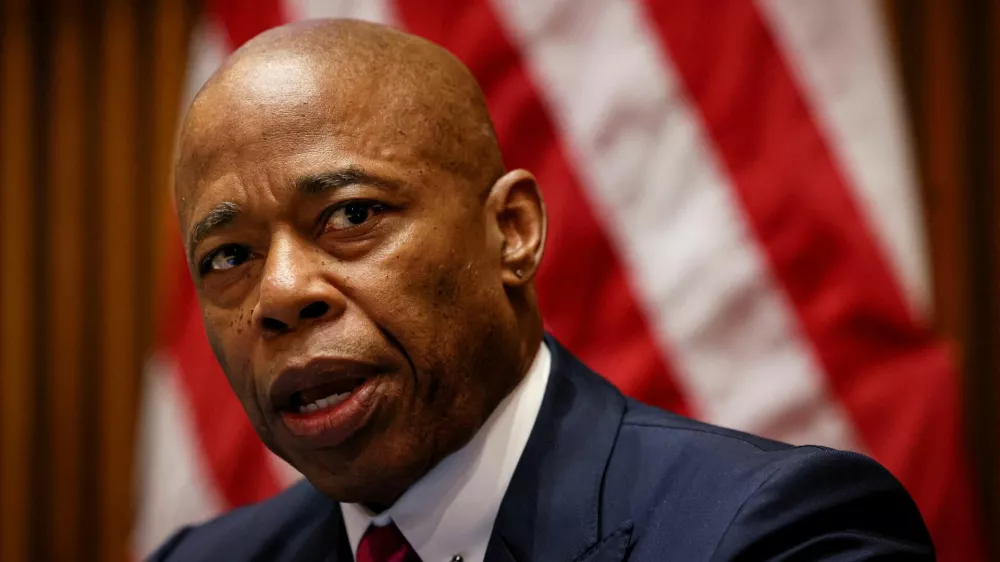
[332, 426]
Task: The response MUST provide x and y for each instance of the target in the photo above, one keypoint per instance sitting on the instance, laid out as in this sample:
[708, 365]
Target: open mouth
[326, 400]
[323, 397]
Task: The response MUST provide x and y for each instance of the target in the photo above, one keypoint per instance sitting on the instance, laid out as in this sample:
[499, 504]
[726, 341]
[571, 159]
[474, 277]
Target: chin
[370, 475]
[357, 485]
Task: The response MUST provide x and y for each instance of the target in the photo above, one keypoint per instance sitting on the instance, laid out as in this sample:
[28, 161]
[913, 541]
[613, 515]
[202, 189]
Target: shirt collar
[452, 509]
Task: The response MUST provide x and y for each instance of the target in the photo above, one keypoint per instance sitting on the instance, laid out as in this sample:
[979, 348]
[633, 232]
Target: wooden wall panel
[990, 430]
[16, 283]
[65, 287]
[119, 272]
[170, 39]
[930, 55]
[89, 101]
[949, 53]
[979, 100]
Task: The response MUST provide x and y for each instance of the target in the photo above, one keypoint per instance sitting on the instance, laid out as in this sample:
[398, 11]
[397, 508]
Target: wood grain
[17, 322]
[119, 354]
[170, 50]
[65, 287]
[89, 104]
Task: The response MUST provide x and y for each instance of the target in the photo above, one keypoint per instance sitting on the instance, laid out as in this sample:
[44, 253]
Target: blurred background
[780, 216]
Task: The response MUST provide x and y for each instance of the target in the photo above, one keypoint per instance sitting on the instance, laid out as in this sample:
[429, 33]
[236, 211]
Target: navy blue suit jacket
[604, 478]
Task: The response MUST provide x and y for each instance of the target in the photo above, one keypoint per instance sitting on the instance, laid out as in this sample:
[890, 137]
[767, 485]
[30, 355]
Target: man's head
[357, 245]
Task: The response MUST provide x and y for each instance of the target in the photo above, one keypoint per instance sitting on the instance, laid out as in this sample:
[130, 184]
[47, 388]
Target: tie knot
[385, 544]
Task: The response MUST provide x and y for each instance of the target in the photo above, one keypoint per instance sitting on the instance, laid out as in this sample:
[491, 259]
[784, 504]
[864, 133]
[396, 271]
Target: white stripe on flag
[209, 51]
[370, 10]
[175, 486]
[839, 52]
[285, 473]
[654, 177]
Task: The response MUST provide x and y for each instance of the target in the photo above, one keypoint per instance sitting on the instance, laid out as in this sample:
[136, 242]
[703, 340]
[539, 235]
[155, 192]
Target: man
[364, 264]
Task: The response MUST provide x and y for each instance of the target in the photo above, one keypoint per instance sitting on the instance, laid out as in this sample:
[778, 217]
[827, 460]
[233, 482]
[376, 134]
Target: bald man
[364, 264]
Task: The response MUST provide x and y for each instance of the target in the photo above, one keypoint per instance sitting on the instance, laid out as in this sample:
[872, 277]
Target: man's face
[351, 286]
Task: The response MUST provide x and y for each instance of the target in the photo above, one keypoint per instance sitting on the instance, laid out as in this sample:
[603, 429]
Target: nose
[296, 288]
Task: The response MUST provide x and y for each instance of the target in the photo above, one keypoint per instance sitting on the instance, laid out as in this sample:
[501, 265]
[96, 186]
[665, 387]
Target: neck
[530, 327]
[529, 341]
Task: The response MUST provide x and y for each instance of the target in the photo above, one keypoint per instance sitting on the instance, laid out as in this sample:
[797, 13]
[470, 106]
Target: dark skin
[341, 194]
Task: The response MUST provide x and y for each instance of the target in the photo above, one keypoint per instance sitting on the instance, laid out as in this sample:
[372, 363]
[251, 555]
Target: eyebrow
[325, 182]
[220, 215]
[226, 212]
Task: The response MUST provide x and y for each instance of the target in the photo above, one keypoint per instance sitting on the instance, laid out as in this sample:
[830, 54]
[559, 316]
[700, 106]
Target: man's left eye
[351, 215]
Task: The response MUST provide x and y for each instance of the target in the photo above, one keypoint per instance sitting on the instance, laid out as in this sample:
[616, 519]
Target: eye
[351, 214]
[226, 257]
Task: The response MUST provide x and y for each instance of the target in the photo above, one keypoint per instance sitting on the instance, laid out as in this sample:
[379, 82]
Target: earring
[518, 273]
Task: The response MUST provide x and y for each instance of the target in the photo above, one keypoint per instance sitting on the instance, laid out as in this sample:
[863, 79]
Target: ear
[517, 203]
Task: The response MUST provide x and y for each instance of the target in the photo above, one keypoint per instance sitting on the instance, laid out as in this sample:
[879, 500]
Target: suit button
[457, 558]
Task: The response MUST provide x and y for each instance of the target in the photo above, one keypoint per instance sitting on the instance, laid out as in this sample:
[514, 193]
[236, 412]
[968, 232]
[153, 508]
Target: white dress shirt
[451, 510]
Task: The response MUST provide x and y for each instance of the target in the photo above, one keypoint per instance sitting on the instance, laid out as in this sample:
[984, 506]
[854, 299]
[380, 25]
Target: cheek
[228, 290]
[430, 287]
[433, 300]
[231, 340]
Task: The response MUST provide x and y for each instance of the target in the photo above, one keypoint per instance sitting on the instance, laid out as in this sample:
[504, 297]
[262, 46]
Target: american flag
[735, 233]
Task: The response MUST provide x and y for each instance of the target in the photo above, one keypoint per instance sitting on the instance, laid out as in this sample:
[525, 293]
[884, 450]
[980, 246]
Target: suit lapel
[612, 548]
[328, 542]
[498, 551]
[551, 508]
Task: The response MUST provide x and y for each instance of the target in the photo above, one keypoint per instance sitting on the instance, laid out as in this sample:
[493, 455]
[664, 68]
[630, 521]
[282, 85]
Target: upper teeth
[323, 403]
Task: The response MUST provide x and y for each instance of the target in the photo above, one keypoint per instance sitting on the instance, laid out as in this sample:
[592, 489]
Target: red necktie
[385, 544]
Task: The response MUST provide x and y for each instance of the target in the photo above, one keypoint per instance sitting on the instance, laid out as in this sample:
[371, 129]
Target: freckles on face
[228, 332]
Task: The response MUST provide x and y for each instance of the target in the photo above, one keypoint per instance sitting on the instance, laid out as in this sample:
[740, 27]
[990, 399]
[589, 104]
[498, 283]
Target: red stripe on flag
[237, 460]
[242, 20]
[584, 292]
[891, 373]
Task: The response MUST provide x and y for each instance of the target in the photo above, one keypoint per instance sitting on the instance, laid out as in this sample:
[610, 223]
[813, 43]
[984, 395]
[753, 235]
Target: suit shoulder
[675, 449]
[677, 477]
[664, 458]
[266, 530]
[810, 501]
[653, 423]
[665, 439]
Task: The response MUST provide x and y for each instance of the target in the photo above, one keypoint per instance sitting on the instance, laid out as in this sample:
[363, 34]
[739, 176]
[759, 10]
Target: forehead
[290, 117]
[287, 96]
